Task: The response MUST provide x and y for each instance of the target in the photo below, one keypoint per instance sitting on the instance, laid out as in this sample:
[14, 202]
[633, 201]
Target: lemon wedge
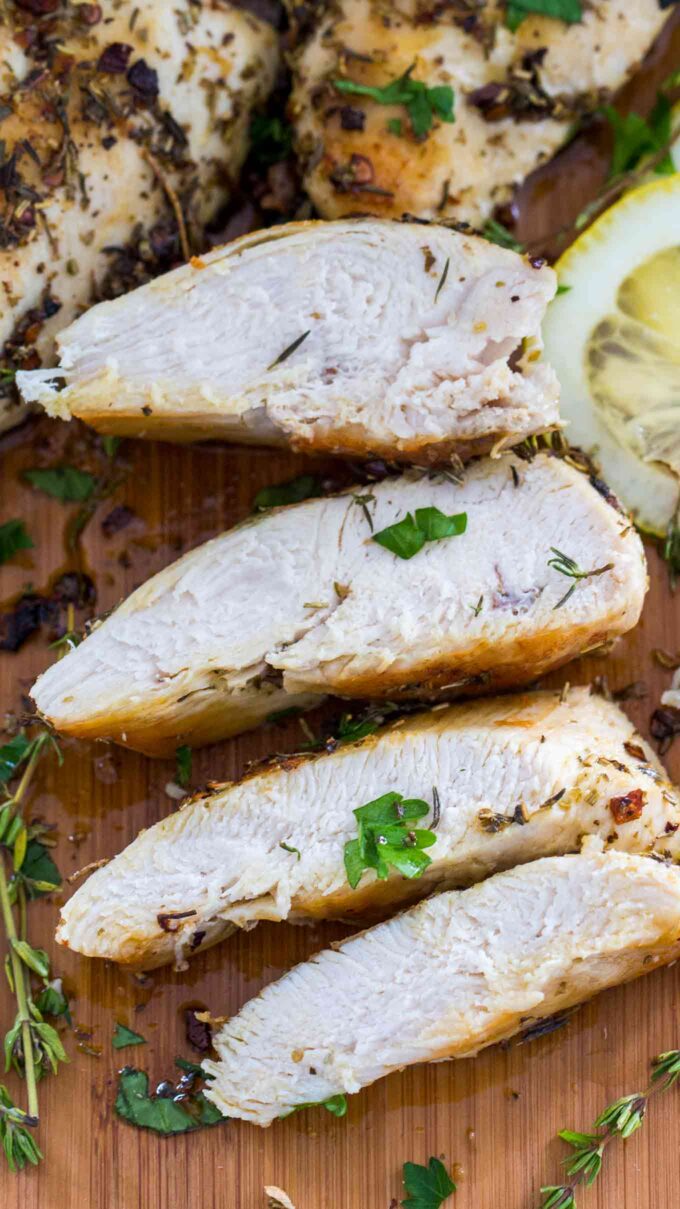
[613, 337]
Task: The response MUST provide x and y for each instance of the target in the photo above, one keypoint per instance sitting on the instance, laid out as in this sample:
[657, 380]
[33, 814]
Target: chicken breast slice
[516, 778]
[516, 96]
[141, 112]
[447, 978]
[352, 337]
[301, 602]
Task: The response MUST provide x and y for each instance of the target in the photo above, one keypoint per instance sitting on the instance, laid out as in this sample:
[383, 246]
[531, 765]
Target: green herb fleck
[563, 289]
[293, 492]
[635, 137]
[517, 11]
[183, 762]
[123, 1036]
[442, 279]
[13, 538]
[271, 140]
[294, 851]
[288, 352]
[64, 483]
[427, 1187]
[395, 126]
[111, 445]
[495, 232]
[386, 837]
[408, 536]
[336, 1105]
[422, 104]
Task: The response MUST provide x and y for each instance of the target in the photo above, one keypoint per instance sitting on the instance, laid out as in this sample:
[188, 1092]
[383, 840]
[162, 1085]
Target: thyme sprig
[569, 567]
[32, 1046]
[620, 1119]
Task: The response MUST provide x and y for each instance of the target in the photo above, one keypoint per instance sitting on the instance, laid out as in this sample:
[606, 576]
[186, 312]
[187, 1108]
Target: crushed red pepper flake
[629, 806]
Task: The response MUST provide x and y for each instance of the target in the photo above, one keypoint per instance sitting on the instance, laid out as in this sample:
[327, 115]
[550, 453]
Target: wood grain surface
[495, 1117]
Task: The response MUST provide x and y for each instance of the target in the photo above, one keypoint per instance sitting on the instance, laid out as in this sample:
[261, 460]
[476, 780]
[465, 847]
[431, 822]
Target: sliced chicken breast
[516, 96]
[116, 118]
[303, 601]
[447, 978]
[508, 780]
[353, 337]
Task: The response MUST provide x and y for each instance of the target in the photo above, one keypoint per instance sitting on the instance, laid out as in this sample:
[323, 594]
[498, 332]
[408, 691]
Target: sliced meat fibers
[358, 337]
[505, 781]
[445, 979]
[303, 601]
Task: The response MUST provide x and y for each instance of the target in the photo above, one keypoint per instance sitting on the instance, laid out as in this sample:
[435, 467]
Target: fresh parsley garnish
[387, 837]
[13, 538]
[408, 536]
[636, 137]
[293, 492]
[517, 11]
[183, 762]
[161, 1114]
[427, 1187]
[422, 104]
[65, 483]
[336, 1105]
[122, 1036]
[12, 755]
[495, 232]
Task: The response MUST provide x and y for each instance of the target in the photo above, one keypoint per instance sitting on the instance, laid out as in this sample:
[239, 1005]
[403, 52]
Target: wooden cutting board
[495, 1117]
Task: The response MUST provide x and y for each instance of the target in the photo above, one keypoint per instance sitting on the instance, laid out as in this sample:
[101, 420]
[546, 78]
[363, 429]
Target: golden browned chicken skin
[516, 96]
[122, 129]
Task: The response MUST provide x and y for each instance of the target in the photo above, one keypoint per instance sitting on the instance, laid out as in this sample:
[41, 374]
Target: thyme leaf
[496, 232]
[421, 103]
[567, 566]
[13, 538]
[17, 1141]
[442, 279]
[288, 352]
[620, 1119]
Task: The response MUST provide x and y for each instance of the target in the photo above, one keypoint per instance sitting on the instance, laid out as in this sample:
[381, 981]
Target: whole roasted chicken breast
[445, 979]
[450, 107]
[507, 780]
[305, 601]
[362, 337]
[123, 128]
